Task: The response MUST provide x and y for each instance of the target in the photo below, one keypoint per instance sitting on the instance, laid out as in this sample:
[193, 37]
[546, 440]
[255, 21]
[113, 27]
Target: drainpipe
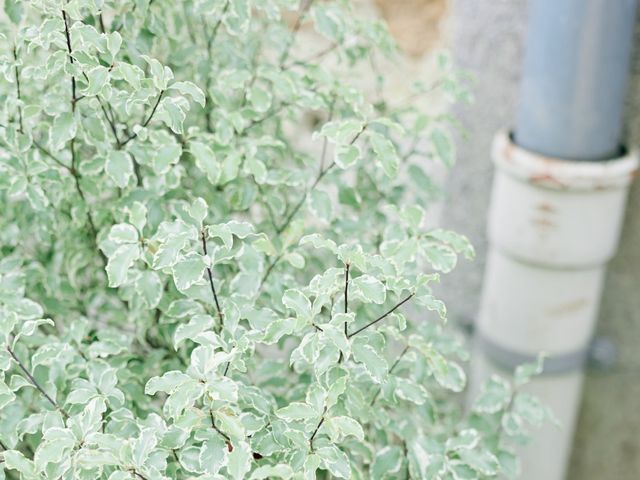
[558, 200]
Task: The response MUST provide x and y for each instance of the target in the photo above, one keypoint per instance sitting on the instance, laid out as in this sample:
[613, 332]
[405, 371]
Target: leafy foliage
[190, 290]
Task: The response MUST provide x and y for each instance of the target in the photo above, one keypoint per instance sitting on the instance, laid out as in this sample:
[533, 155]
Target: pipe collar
[556, 213]
[558, 174]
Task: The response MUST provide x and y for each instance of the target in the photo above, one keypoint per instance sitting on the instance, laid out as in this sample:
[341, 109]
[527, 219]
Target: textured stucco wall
[486, 38]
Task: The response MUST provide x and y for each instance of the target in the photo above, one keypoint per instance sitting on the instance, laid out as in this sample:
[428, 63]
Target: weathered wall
[486, 37]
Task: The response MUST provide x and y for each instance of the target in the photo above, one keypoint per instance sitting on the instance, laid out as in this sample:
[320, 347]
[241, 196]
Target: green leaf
[342, 132]
[122, 233]
[149, 286]
[335, 461]
[63, 129]
[14, 10]
[296, 411]
[320, 205]
[239, 461]
[191, 89]
[444, 147]
[342, 426]
[385, 153]
[387, 463]
[14, 460]
[375, 365]
[298, 302]
[119, 263]
[197, 324]
[346, 156]
[188, 270]
[407, 389]
[119, 167]
[482, 461]
[272, 471]
[525, 372]
[494, 396]
[167, 383]
[205, 161]
[368, 289]
[213, 454]
[259, 98]
[97, 77]
[441, 257]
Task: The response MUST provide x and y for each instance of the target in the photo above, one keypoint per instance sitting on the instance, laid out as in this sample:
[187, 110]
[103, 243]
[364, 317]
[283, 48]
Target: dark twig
[17, 72]
[315, 432]
[210, 275]
[74, 97]
[146, 122]
[35, 383]
[320, 176]
[213, 425]
[138, 474]
[381, 317]
[346, 293]
[395, 364]
[299, 204]
[304, 8]
[311, 58]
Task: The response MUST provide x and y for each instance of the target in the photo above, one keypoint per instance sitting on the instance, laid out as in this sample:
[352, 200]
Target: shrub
[194, 286]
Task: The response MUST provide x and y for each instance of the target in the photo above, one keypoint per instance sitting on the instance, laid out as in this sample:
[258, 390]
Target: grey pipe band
[553, 364]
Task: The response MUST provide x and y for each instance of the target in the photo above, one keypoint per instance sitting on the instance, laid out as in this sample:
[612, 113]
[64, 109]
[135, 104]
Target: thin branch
[210, 39]
[325, 141]
[320, 176]
[213, 425]
[110, 121]
[17, 72]
[315, 432]
[50, 155]
[138, 474]
[298, 205]
[311, 58]
[146, 122]
[269, 269]
[346, 293]
[381, 317]
[395, 364]
[272, 113]
[74, 97]
[304, 8]
[101, 23]
[210, 275]
[35, 383]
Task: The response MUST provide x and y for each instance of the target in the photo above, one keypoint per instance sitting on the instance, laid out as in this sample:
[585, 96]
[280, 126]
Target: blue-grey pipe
[576, 64]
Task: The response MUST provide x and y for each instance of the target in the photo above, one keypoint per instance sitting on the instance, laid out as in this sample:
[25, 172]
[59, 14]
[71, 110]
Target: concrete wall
[486, 37]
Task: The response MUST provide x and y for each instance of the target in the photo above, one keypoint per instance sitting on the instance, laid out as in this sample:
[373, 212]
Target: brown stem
[320, 176]
[298, 205]
[138, 474]
[315, 432]
[74, 97]
[346, 293]
[35, 383]
[395, 364]
[381, 317]
[111, 123]
[304, 8]
[210, 275]
[146, 122]
[213, 425]
[311, 58]
[17, 72]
